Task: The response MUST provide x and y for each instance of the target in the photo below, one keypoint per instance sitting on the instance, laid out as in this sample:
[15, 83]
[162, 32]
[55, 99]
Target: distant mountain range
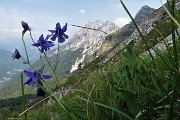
[8, 66]
[10, 44]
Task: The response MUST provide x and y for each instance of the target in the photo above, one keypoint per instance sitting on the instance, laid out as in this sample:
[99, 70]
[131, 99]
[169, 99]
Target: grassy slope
[127, 85]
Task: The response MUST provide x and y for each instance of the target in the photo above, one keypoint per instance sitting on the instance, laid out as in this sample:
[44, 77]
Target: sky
[42, 15]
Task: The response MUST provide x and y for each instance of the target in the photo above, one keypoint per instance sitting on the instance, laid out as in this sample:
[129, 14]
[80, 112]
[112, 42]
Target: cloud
[82, 11]
[122, 21]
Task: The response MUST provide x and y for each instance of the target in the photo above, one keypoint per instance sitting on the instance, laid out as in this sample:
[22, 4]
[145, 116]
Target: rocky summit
[83, 46]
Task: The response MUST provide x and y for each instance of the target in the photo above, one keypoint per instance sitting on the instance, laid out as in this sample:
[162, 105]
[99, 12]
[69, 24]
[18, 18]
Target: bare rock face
[140, 18]
[83, 45]
[143, 13]
[89, 40]
[151, 21]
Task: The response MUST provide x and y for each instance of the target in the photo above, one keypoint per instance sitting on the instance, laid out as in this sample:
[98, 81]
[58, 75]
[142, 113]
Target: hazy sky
[42, 15]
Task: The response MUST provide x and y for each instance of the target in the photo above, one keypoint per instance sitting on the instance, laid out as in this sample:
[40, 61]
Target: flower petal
[45, 48]
[46, 76]
[61, 39]
[36, 44]
[54, 37]
[41, 38]
[58, 26]
[28, 73]
[49, 44]
[37, 79]
[52, 31]
[66, 36]
[64, 28]
[42, 49]
[47, 37]
[29, 82]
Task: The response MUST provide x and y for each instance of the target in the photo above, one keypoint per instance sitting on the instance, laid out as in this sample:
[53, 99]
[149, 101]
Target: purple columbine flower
[45, 45]
[25, 26]
[35, 76]
[16, 54]
[59, 33]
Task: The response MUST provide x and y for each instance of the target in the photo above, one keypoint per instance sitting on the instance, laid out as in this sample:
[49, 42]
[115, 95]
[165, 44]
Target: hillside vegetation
[135, 83]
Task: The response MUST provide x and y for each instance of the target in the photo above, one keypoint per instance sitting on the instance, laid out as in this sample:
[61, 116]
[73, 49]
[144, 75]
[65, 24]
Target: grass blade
[176, 65]
[90, 28]
[138, 31]
[108, 107]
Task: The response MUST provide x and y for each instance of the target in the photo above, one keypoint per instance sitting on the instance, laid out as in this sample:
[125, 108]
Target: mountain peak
[88, 36]
[143, 13]
[89, 41]
[98, 24]
[105, 26]
[146, 7]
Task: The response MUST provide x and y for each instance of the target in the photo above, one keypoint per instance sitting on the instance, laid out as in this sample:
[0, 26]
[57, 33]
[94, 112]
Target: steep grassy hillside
[125, 89]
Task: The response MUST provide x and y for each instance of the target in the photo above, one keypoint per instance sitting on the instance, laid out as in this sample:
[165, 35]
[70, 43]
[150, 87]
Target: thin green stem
[57, 59]
[108, 107]
[31, 37]
[25, 49]
[54, 71]
[23, 97]
[27, 57]
[90, 28]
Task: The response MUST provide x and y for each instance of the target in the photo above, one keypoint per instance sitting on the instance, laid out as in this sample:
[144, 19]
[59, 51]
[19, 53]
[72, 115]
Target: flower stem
[54, 70]
[25, 49]
[23, 97]
[57, 59]
[31, 36]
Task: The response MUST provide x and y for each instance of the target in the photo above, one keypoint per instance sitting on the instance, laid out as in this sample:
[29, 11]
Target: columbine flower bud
[16, 55]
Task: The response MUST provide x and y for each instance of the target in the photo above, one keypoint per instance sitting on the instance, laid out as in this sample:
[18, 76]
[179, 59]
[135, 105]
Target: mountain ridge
[157, 21]
[83, 45]
[9, 67]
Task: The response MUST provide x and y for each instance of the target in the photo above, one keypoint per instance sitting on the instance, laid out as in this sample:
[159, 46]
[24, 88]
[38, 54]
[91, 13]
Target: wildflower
[59, 33]
[35, 76]
[16, 55]
[25, 26]
[44, 43]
